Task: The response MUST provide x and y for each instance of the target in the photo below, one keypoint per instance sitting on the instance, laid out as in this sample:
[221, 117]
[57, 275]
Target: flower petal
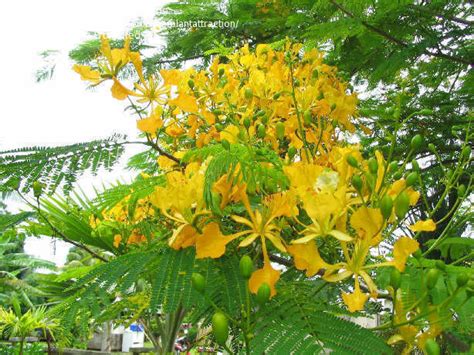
[402, 249]
[423, 226]
[268, 275]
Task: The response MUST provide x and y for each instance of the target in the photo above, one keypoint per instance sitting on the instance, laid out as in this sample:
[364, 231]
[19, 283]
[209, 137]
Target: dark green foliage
[294, 322]
[57, 166]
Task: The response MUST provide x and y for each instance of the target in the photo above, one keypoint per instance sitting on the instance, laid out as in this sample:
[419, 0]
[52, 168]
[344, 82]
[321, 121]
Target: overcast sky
[59, 111]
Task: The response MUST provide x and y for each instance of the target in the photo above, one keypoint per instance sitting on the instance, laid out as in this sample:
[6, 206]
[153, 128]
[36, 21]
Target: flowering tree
[253, 159]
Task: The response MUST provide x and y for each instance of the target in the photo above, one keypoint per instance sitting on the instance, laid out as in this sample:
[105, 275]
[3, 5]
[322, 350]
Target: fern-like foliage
[166, 274]
[297, 323]
[11, 220]
[57, 166]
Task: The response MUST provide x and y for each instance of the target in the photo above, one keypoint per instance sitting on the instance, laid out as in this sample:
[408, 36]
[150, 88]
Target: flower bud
[292, 152]
[198, 282]
[261, 131]
[280, 130]
[246, 266]
[307, 117]
[432, 278]
[402, 205]
[412, 178]
[263, 293]
[416, 142]
[352, 161]
[191, 83]
[220, 327]
[247, 122]
[415, 166]
[357, 182]
[432, 147]
[37, 189]
[225, 143]
[248, 93]
[373, 165]
[395, 278]
[386, 206]
[393, 166]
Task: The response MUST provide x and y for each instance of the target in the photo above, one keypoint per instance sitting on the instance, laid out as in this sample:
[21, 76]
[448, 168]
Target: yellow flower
[211, 243]
[424, 226]
[368, 223]
[356, 300]
[88, 74]
[261, 223]
[307, 257]
[151, 124]
[402, 249]
[186, 103]
[117, 240]
[267, 274]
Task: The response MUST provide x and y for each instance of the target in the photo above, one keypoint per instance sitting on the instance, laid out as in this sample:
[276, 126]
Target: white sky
[59, 111]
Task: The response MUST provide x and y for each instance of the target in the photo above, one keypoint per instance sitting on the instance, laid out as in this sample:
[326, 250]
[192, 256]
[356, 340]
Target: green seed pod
[191, 83]
[461, 190]
[198, 282]
[37, 189]
[263, 293]
[280, 130]
[219, 127]
[393, 166]
[333, 107]
[320, 96]
[466, 152]
[276, 96]
[432, 347]
[264, 119]
[386, 206]
[247, 122]
[412, 178]
[432, 278]
[462, 279]
[398, 175]
[370, 178]
[432, 147]
[395, 278]
[352, 161]
[416, 142]
[357, 182]
[373, 165]
[248, 93]
[415, 166]
[261, 131]
[220, 327]
[440, 265]
[225, 143]
[292, 152]
[221, 71]
[246, 266]
[307, 117]
[402, 205]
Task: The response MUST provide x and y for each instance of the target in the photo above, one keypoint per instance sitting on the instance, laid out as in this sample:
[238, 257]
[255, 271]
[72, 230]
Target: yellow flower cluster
[291, 102]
